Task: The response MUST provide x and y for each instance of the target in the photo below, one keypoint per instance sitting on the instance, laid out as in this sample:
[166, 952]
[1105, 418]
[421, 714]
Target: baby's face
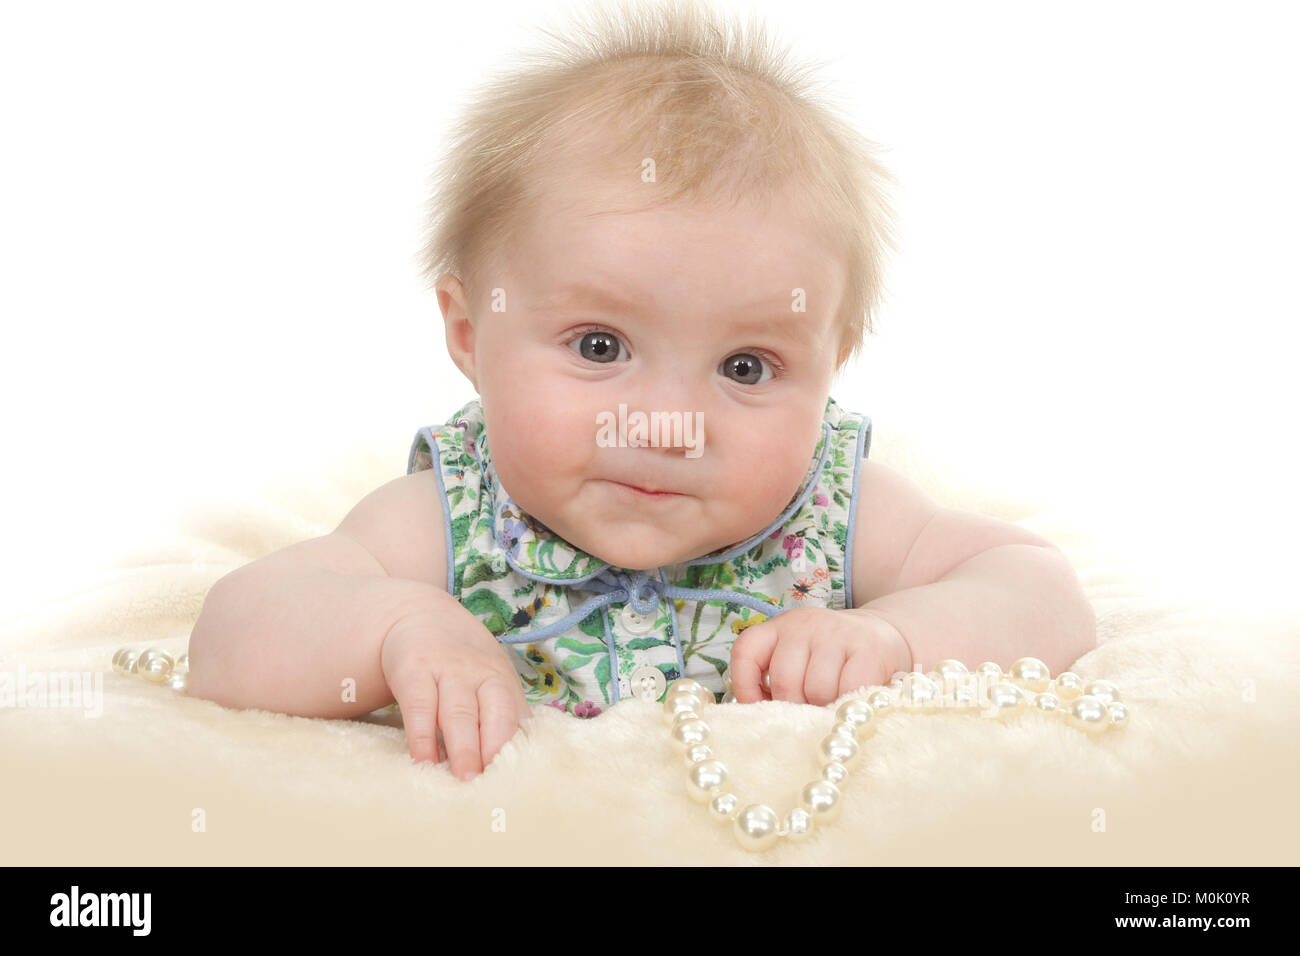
[688, 308]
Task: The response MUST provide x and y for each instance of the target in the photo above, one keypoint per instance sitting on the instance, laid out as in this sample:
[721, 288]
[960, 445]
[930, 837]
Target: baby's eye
[746, 369]
[599, 347]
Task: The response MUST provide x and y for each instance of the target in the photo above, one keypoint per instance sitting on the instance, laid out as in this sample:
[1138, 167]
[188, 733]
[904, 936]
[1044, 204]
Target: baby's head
[656, 216]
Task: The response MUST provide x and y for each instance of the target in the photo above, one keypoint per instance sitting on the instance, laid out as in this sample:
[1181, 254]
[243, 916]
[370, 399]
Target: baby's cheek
[541, 430]
[757, 490]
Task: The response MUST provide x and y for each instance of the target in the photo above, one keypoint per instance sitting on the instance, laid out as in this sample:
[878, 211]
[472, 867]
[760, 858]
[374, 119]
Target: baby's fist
[815, 655]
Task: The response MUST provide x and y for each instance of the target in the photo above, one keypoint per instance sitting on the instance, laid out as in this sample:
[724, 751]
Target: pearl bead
[698, 752]
[124, 661]
[1030, 673]
[1069, 685]
[835, 772]
[990, 672]
[726, 679]
[177, 681]
[688, 733]
[951, 669]
[845, 728]
[798, 825]
[703, 698]
[679, 704]
[1118, 714]
[756, 827]
[689, 686]
[858, 713]
[182, 663]
[154, 665]
[683, 717]
[1005, 700]
[1089, 714]
[1047, 703]
[1103, 690]
[919, 694]
[703, 779]
[837, 748]
[724, 807]
[821, 799]
[881, 702]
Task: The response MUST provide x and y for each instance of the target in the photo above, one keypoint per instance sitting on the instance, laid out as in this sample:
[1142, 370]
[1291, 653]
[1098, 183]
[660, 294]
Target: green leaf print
[490, 609]
[720, 664]
[573, 644]
[575, 662]
[481, 571]
[841, 535]
[760, 595]
[593, 625]
[602, 676]
[643, 643]
[545, 555]
[460, 532]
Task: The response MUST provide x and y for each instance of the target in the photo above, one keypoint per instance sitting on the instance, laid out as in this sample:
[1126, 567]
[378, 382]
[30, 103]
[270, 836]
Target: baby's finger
[458, 718]
[821, 682]
[789, 664]
[861, 670]
[417, 699]
[498, 716]
[750, 654]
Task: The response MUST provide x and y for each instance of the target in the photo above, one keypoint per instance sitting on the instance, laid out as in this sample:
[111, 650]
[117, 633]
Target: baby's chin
[639, 556]
[636, 548]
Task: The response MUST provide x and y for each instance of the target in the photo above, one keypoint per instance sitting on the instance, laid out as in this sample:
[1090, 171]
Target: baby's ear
[459, 328]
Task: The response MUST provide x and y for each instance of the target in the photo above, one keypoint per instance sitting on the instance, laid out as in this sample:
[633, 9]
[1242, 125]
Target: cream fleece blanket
[1205, 773]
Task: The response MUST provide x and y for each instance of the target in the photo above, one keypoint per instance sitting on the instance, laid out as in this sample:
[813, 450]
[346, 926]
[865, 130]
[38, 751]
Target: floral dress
[584, 634]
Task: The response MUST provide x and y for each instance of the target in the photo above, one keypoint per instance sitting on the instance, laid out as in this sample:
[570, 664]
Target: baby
[653, 251]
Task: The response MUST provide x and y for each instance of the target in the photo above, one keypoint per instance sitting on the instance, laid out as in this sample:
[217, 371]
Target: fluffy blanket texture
[1205, 773]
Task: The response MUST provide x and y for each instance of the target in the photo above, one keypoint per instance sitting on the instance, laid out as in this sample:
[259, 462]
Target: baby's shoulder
[401, 523]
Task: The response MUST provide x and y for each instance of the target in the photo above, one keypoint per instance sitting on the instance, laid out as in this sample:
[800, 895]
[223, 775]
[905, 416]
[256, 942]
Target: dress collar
[537, 552]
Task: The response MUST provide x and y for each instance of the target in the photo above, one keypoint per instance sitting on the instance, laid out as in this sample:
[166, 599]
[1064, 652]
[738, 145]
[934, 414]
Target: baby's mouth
[646, 493]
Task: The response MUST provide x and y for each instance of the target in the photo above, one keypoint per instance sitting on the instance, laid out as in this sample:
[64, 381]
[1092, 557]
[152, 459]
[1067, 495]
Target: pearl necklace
[1028, 685]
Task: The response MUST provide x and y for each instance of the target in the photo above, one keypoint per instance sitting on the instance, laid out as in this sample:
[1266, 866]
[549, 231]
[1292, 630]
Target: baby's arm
[339, 625]
[963, 585]
[928, 583]
[284, 632]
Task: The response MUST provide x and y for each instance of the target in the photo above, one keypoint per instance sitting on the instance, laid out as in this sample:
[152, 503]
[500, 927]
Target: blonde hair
[721, 112]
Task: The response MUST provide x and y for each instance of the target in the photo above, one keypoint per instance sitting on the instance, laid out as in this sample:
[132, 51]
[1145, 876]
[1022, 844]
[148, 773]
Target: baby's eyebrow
[583, 293]
[772, 315]
[787, 325]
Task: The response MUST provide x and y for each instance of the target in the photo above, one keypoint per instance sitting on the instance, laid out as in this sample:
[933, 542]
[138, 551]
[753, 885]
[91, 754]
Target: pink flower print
[793, 545]
[819, 498]
[775, 534]
[557, 704]
[586, 709]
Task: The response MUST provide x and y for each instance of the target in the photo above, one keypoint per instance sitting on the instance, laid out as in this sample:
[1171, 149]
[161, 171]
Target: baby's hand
[814, 655]
[447, 670]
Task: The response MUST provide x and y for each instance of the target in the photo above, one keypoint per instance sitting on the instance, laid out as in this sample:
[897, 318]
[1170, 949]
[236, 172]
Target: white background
[209, 214]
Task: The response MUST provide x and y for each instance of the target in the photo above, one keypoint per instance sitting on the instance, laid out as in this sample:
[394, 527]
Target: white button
[648, 682]
[637, 623]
